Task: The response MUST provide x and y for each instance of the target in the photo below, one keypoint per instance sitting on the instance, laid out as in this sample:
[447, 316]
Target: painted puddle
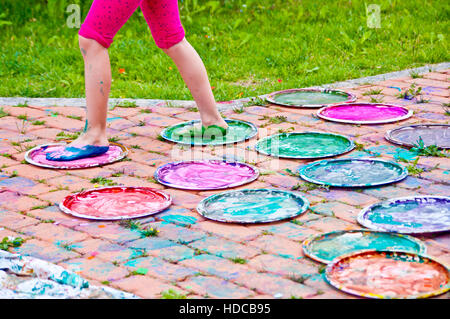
[326, 247]
[36, 156]
[252, 206]
[310, 97]
[205, 175]
[431, 134]
[388, 275]
[238, 131]
[353, 172]
[364, 113]
[24, 277]
[304, 145]
[114, 203]
[415, 214]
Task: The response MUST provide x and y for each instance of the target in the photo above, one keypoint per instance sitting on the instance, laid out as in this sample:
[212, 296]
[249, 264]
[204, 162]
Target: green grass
[67, 135]
[264, 46]
[6, 155]
[103, 181]
[113, 139]
[172, 294]
[3, 113]
[6, 243]
[413, 169]
[238, 260]
[431, 150]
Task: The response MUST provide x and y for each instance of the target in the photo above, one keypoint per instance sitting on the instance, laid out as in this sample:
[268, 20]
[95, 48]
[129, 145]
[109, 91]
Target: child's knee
[87, 44]
[168, 48]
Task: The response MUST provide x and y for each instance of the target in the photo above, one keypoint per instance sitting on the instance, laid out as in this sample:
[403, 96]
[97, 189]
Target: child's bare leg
[97, 72]
[194, 74]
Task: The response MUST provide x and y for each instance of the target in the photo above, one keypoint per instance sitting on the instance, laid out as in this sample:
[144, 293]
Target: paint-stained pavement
[194, 256]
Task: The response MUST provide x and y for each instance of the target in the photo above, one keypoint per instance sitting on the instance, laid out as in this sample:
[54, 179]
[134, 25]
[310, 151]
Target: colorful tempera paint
[37, 156]
[326, 247]
[304, 145]
[310, 97]
[238, 131]
[415, 214]
[205, 175]
[388, 274]
[431, 134]
[353, 172]
[113, 203]
[25, 277]
[252, 206]
[364, 113]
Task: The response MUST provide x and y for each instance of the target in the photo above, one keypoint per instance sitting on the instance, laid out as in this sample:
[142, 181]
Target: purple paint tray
[364, 113]
[206, 174]
[36, 156]
[431, 134]
[415, 214]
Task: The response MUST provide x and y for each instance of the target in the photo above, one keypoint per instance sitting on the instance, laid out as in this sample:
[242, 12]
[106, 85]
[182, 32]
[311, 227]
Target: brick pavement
[193, 256]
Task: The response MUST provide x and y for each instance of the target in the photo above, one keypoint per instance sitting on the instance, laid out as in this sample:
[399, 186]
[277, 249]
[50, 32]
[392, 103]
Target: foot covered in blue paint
[72, 153]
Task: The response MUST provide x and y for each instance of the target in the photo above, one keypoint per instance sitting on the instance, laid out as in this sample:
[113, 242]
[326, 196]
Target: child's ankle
[213, 121]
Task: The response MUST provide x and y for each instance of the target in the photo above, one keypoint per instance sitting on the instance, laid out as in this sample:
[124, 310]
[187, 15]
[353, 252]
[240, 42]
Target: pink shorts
[106, 17]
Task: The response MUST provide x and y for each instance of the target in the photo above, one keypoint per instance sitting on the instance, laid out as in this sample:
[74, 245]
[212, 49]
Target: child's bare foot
[86, 145]
[90, 139]
[219, 121]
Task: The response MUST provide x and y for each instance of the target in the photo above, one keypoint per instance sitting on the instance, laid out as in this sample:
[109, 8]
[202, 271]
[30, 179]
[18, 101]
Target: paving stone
[53, 233]
[32, 172]
[386, 192]
[109, 231]
[182, 235]
[15, 201]
[55, 215]
[73, 183]
[5, 161]
[326, 224]
[143, 286]
[24, 185]
[180, 216]
[151, 243]
[348, 197]
[43, 250]
[278, 246]
[224, 248]
[156, 267]
[64, 123]
[337, 209]
[173, 253]
[15, 221]
[119, 124]
[215, 288]
[274, 285]
[435, 189]
[9, 233]
[55, 197]
[289, 230]
[282, 266]
[234, 232]
[95, 269]
[214, 265]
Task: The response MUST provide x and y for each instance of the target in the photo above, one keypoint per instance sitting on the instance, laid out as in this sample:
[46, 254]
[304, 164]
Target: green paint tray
[238, 131]
[326, 247]
[305, 145]
[252, 206]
